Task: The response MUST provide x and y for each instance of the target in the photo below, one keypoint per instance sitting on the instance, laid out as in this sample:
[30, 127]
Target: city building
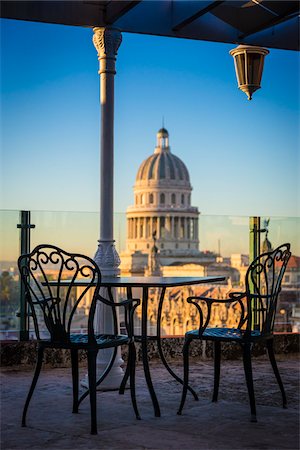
[162, 212]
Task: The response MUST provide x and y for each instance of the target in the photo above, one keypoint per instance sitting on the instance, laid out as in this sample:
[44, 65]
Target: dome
[163, 132]
[163, 165]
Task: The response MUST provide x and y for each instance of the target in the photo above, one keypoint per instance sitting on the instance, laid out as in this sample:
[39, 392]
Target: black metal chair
[257, 309]
[60, 309]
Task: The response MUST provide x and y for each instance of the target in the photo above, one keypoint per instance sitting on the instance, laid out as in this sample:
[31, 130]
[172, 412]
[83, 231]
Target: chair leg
[249, 379]
[132, 364]
[92, 356]
[217, 364]
[74, 361]
[126, 376]
[37, 371]
[185, 352]
[270, 349]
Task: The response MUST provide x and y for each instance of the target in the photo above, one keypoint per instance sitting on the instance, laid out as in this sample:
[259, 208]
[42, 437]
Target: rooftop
[203, 425]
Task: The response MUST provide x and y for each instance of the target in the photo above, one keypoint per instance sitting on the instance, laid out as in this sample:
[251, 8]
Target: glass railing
[224, 250]
[9, 275]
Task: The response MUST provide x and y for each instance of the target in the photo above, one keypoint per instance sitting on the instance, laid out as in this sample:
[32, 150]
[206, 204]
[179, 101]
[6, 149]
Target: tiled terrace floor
[204, 425]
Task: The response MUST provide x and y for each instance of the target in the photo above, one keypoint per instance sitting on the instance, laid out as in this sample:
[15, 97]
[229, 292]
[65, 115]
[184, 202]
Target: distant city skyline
[79, 232]
[243, 156]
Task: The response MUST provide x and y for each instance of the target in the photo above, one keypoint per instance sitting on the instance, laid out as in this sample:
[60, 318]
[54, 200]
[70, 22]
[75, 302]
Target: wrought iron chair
[257, 309]
[55, 312]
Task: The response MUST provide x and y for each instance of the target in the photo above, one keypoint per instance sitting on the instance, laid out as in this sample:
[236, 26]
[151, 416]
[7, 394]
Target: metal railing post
[25, 227]
[254, 251]
[254, 247]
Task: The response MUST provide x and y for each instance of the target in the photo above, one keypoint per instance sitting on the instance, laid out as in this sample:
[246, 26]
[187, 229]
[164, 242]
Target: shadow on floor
[204, 425]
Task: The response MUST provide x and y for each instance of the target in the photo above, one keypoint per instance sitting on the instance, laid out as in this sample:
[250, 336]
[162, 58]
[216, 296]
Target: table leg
[127, 371]
[160, 350]
[144, 342]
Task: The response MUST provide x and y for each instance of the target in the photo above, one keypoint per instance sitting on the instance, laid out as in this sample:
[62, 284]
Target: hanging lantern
[249, 64]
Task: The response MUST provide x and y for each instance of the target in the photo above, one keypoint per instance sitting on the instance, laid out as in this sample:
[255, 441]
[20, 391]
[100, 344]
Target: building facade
[162, 211]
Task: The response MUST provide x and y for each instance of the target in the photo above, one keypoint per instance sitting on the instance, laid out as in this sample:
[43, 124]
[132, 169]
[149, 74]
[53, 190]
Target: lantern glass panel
[254, 69]
[240, 68]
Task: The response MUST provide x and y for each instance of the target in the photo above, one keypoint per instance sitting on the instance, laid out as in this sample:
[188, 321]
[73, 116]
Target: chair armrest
[124, 303]
[129, 305]
[237, 295]
[210, 300]
[261, 295]
[205, 317]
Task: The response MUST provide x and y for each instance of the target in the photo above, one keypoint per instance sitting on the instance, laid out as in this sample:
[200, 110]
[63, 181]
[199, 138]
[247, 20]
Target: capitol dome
[162, 215]
[162, 167]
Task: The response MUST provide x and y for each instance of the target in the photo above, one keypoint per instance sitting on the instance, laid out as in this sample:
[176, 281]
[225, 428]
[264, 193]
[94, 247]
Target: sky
[243, 157]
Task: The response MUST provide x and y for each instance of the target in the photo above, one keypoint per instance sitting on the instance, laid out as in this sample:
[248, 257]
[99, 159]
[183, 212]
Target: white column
[107, 42]
[138, 227]
[128, 228]
[168, 227]
[131, 228]
[176, 227]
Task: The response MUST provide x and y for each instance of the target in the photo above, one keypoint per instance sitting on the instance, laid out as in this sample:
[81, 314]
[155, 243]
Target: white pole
[107, 42]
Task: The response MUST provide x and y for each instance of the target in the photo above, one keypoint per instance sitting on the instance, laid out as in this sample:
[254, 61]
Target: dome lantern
[162, 140]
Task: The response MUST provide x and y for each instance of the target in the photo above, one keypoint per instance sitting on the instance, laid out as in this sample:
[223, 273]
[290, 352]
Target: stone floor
[203, 425]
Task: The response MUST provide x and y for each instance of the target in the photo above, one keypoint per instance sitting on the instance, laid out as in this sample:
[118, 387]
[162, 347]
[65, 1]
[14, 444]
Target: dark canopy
[273, 24]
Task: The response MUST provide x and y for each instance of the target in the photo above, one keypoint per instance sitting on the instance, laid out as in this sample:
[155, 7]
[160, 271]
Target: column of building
[107, 42]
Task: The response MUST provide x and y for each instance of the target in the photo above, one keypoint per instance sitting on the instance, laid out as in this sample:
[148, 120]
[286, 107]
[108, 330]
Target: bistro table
[147, 283]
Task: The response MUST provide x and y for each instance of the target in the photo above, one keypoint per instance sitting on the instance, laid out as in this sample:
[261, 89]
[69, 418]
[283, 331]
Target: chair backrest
[57, 309]
[263, 285]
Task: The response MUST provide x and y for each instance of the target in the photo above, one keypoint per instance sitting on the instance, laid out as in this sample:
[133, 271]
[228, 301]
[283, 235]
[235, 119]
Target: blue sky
[243, 157]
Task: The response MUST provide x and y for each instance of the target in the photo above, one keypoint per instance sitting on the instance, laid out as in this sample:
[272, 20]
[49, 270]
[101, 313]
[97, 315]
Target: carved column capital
[107, 258]
[107, 42]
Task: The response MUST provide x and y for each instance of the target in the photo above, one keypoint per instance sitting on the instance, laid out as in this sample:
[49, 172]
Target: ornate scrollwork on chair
[62, 291]
[254, 311]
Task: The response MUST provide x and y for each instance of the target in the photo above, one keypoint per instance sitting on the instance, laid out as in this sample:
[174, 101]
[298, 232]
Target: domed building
[162, 210]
